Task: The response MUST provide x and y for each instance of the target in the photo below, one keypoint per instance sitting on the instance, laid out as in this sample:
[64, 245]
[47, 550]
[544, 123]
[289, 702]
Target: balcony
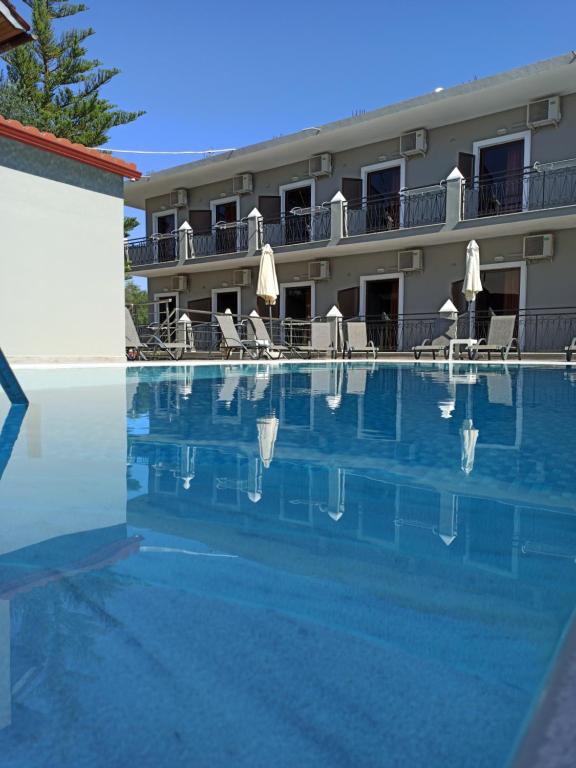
[301, 225]
[417, 207]
[530, 189]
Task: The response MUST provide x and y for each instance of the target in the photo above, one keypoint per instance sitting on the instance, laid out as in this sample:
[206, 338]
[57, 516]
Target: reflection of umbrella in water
[469, 438]
[267, 433]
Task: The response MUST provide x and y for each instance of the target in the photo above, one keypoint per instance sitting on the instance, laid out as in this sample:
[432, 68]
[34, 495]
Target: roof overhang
[14, 31]
[501, 92]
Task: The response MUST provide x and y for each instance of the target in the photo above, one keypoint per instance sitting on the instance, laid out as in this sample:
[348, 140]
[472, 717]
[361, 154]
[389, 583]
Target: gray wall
[444, 144]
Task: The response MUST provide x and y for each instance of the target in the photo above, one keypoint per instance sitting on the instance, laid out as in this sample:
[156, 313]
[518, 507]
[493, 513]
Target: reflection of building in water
[363, 471]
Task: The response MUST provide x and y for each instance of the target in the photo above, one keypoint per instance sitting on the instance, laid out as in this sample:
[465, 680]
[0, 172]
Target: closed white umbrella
[267, 288]
[472, 283]
[469, 438]
[267, 433]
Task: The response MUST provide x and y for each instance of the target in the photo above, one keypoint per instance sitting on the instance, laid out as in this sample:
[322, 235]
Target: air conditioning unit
[179, 198]
[243, 184]
[320, 165]
[179, 283]
[538, 247]
[414, 143]
[242, 278]
[410, 261]
[544, 112]
[319, 270]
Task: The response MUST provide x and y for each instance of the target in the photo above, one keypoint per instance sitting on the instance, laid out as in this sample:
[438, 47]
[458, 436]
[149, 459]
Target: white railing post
[254, 243]
[183, 326]
[185, 246]
[454, 194]
[337, 228]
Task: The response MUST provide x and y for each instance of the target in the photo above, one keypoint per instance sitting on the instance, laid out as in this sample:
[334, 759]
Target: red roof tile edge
[26, 134]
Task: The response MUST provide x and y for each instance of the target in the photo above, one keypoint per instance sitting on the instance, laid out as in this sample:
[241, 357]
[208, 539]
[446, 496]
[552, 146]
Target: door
[297, 227]
[167, 306]
[270, 208]
[382, 312]
[298, 307]
[165, 243]
[500, 296]
[226, 214]
[383, 199]
[226, 300]
[347, 301]
[501, 179]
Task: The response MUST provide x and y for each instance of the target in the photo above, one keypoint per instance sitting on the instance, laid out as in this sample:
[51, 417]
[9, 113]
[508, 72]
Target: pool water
[283, 565]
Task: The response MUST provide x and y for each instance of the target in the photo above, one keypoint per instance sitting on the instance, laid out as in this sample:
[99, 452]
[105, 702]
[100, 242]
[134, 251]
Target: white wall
[61, 258]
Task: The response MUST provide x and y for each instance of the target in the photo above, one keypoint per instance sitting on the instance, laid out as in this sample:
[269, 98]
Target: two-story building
[374, 212]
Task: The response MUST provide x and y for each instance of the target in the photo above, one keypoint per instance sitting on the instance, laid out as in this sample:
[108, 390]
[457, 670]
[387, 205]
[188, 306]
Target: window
[164, 226]
[383, 199]
[297, 225]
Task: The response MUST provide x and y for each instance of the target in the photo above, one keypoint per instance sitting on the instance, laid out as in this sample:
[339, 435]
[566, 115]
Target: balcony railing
[409, 208]
[301, 225]
[153, 250]
[529, 189]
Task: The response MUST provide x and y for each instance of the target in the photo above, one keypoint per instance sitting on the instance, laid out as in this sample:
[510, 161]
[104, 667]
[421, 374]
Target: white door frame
[299, 284]
[157, 214]
[385, 276]
[525, 136]
[165, 295]
[283, 188]
[216, 291]
[521, 265]
[223, 201]
[398, 163]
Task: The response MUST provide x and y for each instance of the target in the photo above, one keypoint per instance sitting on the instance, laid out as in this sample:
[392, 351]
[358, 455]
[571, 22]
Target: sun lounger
[501, 339]
[320, 341]
[444, 331]
[261, 334]
[569, 350]
[231, 339]
[357, 340]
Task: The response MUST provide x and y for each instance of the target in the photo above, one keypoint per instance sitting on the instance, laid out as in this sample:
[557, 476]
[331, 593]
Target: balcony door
[381, 304]
[383, 198]
[501, 184]
[297, 227]
[224, 216]
[163, 225]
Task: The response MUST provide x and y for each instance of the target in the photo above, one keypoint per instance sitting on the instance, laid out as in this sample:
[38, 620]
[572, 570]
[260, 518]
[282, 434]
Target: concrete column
[185, 242]
[254, 238]
[183, 330]
[334, 316]
[454, 192]
[337, 223]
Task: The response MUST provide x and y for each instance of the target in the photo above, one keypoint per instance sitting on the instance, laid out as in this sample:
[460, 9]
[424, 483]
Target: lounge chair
[232, 341]
[444, 331]
[261, 334]
[501, 339]
[570, 350]
[320, 341]
[136, 349]
[357, 340]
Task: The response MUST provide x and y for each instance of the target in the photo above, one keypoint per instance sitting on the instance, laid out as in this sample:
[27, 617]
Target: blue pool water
[289, 566]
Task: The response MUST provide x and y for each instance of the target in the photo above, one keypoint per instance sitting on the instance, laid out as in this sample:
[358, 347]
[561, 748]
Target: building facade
[373, 213]
[61, 268]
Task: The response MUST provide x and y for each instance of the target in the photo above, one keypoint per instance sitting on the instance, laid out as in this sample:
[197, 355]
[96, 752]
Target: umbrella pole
[471, 317]
[270, 321]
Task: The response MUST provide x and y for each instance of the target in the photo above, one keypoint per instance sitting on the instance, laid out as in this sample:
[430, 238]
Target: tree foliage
[52, 83]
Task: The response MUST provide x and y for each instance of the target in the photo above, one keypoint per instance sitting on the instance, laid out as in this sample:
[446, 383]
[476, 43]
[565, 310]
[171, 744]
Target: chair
[261, 334]
[232, 341]
[136, 349]
[320, 340]
[500, 339]
[569, 350]
[357, 340]
[444, 331]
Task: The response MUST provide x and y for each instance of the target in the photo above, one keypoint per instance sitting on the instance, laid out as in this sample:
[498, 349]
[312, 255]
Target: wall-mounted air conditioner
[179, 198]
[543, 112]
[179, 283]
[320, 165]
[242, 278]
[538, 247]
[319, 270]
[243, 184]
[414, 143]
[410, 261]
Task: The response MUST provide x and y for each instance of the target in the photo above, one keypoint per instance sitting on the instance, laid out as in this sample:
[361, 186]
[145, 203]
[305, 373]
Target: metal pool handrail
[10, 383]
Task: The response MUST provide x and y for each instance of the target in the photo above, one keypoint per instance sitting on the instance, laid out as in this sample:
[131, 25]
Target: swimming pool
[283, 565]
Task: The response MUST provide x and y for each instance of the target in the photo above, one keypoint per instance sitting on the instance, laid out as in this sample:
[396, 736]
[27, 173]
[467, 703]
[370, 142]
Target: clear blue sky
[228, 74]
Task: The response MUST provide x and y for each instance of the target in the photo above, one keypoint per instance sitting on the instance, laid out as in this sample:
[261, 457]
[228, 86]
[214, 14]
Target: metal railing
[221, 239]
[153, 250]
[528, 189]
[416, 207]
[301, 225]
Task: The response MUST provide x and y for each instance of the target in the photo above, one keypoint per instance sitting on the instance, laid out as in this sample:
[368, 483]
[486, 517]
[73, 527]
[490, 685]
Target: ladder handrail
[10, 383]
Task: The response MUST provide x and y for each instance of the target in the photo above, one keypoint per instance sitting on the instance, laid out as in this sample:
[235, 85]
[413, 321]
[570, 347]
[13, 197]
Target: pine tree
[52, 84]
